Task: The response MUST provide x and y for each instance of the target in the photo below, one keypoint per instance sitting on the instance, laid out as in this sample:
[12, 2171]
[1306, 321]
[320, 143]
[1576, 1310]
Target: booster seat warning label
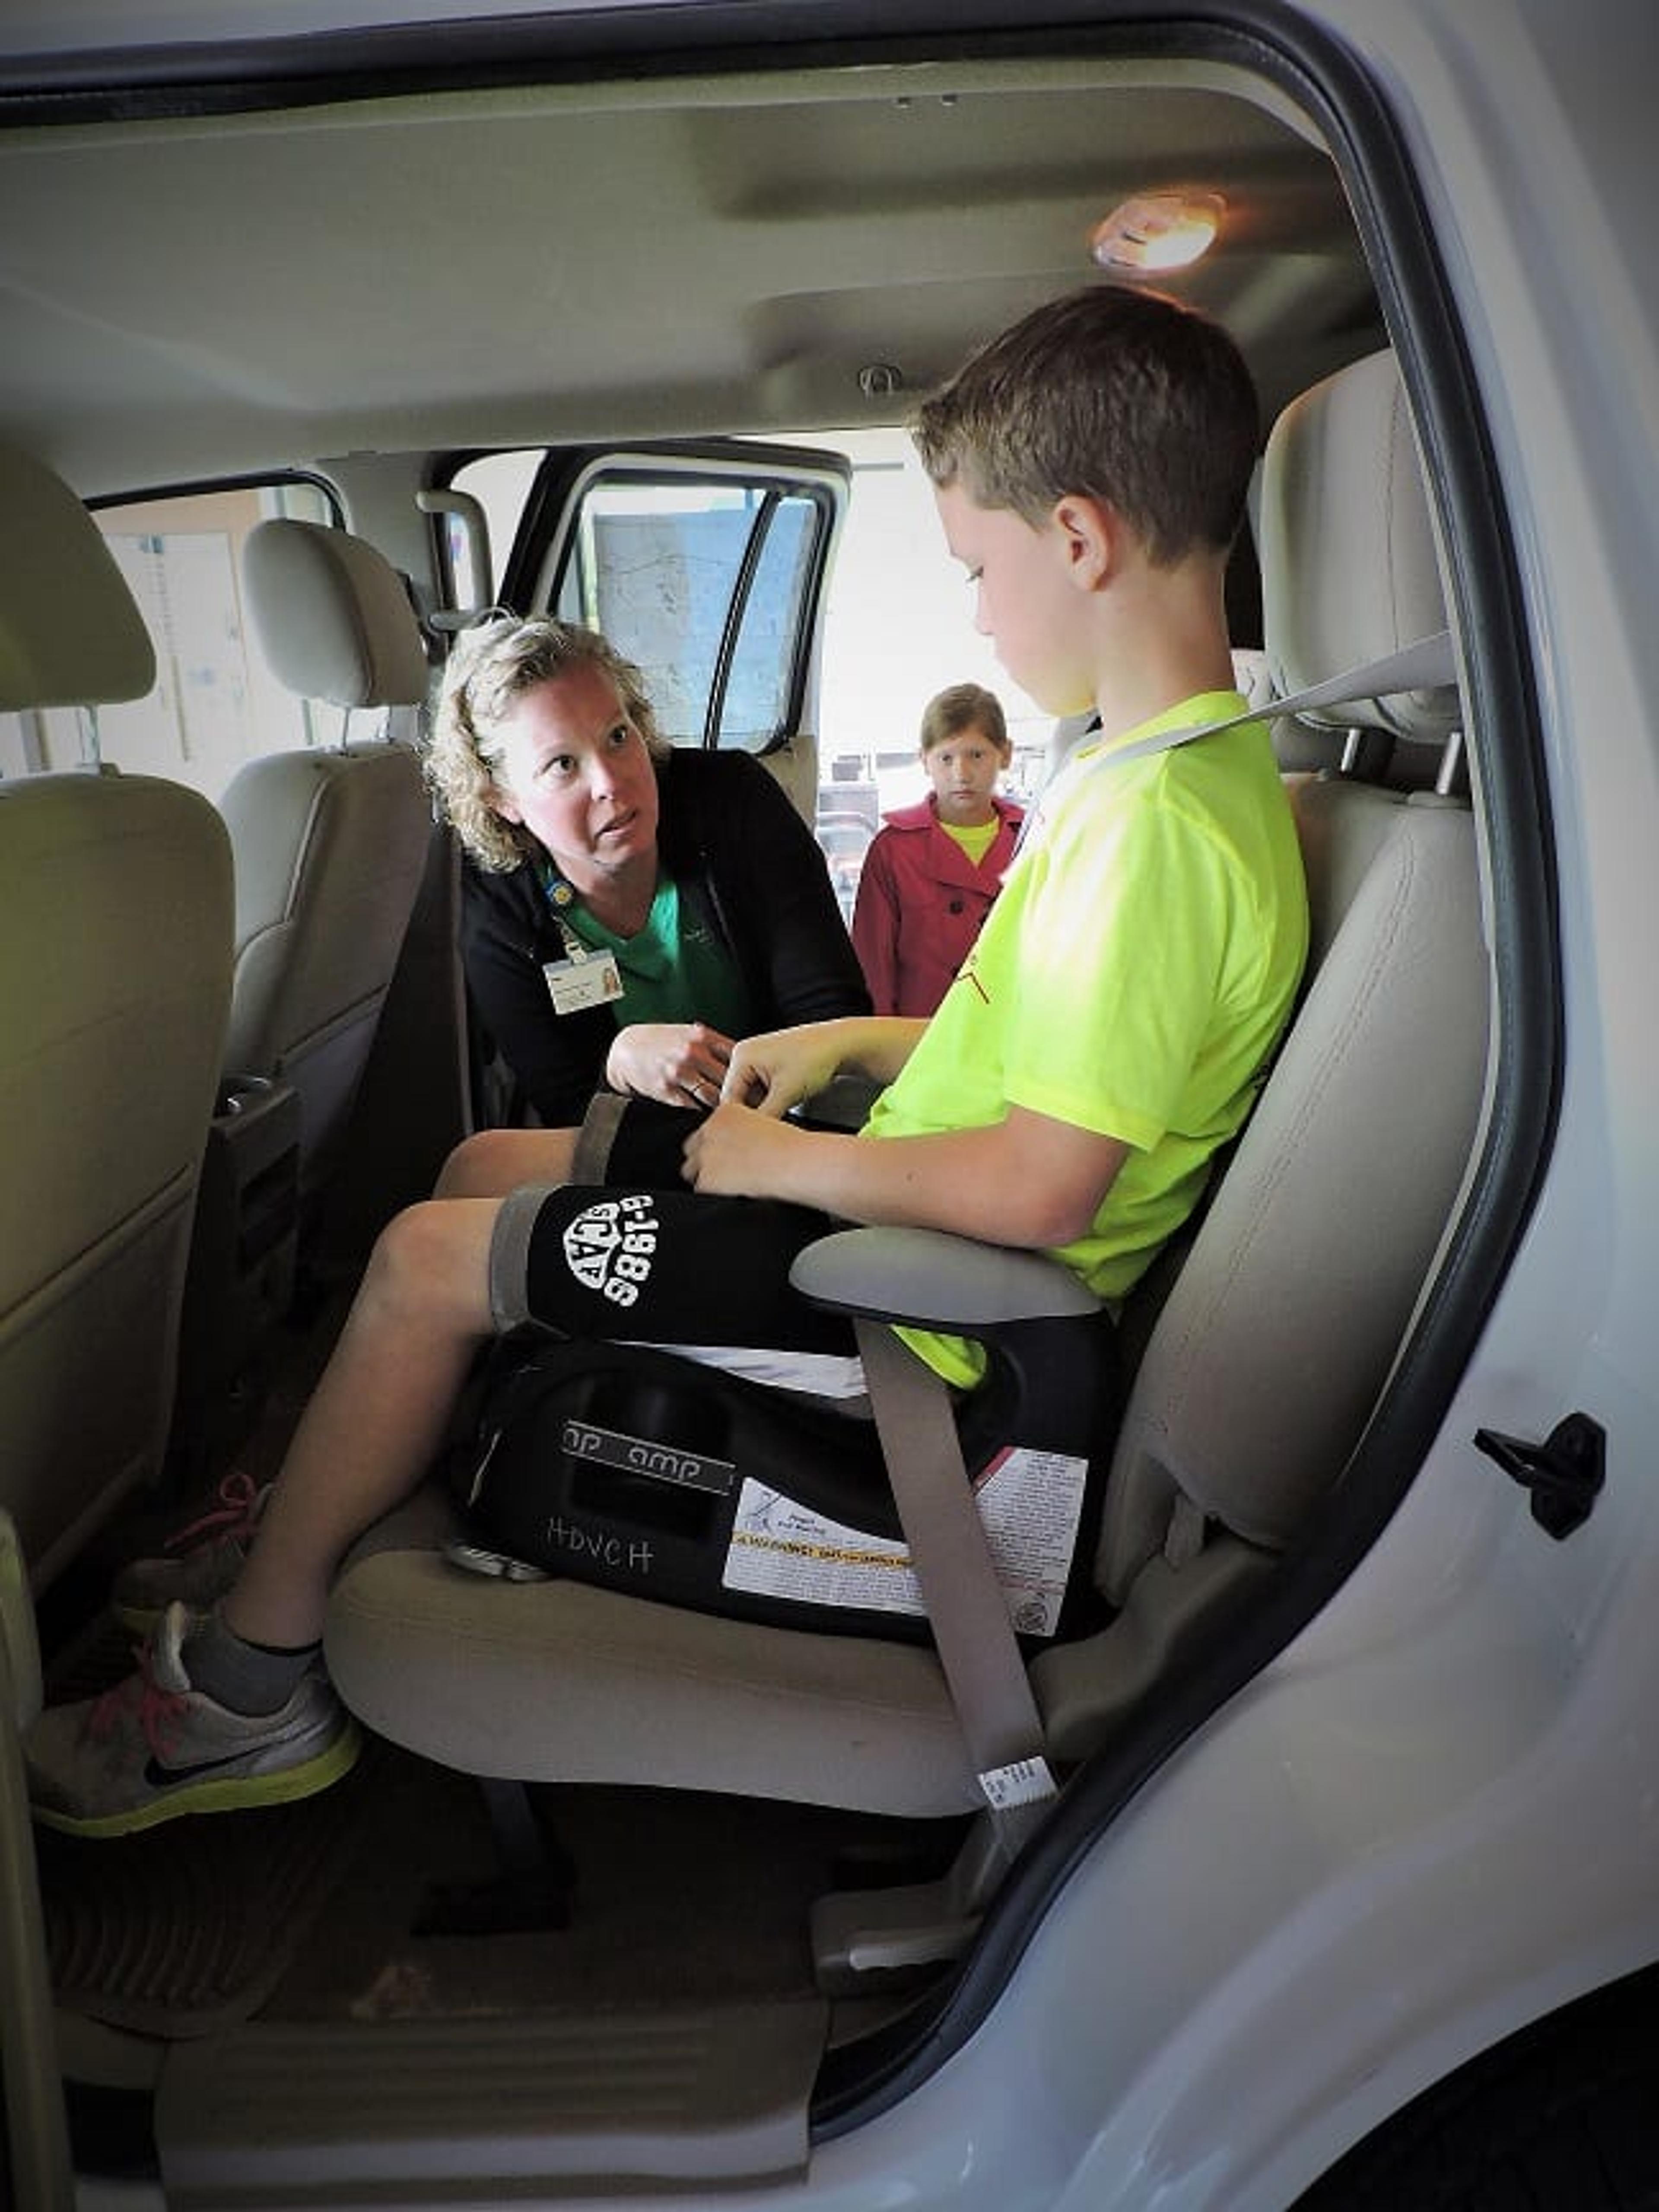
[1029, 1502]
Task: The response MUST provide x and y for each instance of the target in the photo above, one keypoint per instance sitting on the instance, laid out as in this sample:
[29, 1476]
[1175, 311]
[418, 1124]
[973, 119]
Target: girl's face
[574, 771]
[963, 770]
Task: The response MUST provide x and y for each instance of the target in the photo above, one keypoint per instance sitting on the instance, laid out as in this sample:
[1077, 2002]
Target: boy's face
[963, 770]
[1027, 604]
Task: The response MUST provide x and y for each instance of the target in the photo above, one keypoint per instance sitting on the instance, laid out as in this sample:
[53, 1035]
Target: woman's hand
[679, 1063]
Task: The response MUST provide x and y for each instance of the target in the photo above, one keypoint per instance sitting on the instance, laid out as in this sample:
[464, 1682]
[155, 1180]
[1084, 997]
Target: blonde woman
[629, 909]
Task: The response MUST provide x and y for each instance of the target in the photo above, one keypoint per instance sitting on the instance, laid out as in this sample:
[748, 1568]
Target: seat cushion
[559, 1681]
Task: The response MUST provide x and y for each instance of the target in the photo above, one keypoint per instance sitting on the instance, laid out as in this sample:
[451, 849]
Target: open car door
[705, 563]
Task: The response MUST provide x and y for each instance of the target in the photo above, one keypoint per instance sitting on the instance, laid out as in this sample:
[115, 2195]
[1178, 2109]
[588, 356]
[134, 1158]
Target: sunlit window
[214, 703]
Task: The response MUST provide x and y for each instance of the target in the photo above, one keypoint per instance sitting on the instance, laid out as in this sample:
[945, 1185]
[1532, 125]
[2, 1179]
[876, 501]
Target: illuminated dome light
[1158, 230]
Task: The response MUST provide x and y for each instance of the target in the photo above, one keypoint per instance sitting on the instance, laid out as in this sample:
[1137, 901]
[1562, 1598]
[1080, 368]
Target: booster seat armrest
[933, 1279]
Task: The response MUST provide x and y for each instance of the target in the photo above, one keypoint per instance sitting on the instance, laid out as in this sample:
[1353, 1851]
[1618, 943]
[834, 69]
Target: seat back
[115, 982]
[330, 845]
[1279, 1332]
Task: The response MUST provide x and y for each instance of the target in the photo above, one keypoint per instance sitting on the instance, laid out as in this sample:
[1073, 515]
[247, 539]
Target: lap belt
[972, 1633]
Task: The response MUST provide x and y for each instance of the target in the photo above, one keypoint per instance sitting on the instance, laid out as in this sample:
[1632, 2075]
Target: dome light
[1158, 230]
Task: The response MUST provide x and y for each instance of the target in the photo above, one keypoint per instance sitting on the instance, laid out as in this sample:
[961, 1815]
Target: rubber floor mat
[185, 1929]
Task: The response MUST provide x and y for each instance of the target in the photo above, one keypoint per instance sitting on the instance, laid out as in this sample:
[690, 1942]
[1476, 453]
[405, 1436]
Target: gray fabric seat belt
[978, 1651]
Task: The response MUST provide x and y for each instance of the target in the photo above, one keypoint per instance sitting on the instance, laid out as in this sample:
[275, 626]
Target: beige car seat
[330, 842]
[1258, 1374]
[115, 981]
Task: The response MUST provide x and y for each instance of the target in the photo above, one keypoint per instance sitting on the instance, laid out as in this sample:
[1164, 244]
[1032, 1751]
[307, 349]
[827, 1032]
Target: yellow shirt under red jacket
[921, 903]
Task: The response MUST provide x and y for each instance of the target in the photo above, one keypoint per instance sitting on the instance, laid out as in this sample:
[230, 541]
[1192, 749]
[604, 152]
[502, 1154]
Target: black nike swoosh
[158, 1776]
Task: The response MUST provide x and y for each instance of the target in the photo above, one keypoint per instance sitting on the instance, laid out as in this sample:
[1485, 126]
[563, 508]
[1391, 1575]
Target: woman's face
[574, 772]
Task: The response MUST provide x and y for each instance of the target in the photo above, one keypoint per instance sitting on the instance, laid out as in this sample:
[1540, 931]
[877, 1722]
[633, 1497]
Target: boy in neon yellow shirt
[1104, 1039]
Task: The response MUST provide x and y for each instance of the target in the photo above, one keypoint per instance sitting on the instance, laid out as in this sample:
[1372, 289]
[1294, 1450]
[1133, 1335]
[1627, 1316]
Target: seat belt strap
[977, 1648]
[1428, 666]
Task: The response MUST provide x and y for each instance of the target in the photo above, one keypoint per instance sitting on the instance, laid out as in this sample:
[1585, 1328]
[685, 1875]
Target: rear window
[214, 704]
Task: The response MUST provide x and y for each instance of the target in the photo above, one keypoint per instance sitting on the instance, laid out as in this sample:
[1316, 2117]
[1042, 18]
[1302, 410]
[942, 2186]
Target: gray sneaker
[202, 1559]
[153, 1748]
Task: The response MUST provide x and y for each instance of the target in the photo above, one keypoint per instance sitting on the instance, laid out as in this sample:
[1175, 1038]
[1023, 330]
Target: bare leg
[377, 1416]
[497, 1161]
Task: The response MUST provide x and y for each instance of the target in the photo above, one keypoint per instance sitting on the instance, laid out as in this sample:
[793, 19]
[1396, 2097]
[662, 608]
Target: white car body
[1430, 1817]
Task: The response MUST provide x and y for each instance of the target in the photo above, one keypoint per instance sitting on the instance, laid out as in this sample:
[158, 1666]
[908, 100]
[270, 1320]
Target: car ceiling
[184, 294]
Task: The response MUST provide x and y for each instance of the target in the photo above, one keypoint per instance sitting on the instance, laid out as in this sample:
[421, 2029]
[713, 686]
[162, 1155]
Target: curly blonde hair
[490, 668]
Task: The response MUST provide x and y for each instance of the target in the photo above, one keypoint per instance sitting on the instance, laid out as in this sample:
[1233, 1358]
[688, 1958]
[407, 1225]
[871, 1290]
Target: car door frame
[547, 535]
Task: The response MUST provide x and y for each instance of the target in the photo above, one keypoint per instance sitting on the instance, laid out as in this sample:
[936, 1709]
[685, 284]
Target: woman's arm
[681, 1063]
[771, 887]
[558, 1058]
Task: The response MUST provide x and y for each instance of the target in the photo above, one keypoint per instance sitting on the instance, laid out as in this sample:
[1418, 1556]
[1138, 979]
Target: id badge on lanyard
[584, 977]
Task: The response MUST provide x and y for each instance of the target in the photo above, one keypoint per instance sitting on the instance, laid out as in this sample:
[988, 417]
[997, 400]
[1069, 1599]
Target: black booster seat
[623, 1465]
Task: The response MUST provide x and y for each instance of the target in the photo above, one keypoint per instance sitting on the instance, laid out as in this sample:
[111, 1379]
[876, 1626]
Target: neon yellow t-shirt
[1130, 980]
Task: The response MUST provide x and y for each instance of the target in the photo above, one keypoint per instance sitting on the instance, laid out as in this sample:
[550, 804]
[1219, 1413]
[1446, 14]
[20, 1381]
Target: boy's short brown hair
[962, 707]
[1124, 395]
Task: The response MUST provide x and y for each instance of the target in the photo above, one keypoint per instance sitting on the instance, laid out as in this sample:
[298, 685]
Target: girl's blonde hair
[490, 668]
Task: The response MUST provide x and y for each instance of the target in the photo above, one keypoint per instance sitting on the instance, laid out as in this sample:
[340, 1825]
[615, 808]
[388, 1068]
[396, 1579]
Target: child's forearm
[776, 1071]
[1028, 1180]
[878, 1045]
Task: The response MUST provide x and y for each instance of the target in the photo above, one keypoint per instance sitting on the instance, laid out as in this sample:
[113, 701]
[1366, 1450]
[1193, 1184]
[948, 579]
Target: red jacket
[920, 903]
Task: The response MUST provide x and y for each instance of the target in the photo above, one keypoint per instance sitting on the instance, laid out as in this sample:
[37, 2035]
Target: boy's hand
[774, 1071]
[680, 1063]
[740, 1152]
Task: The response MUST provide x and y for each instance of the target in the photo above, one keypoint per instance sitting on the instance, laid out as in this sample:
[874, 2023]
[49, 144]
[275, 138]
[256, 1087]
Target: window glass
[755, 708]
[898, 627]
[658, 565]
[214, 703]
[654, 566]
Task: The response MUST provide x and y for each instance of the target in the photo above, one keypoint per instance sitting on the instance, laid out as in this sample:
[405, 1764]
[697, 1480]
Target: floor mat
[185, 1929]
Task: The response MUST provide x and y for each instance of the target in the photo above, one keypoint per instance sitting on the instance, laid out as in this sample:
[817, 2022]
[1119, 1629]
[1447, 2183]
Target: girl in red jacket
[931, 874]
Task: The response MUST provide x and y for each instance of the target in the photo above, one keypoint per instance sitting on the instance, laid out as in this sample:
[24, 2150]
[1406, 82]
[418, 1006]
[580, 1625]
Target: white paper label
[1029, 1502]
[1026, 1781]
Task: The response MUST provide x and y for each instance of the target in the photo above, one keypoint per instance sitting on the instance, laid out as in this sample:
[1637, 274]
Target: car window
[214, 704]
[706, 572]
[704, 583]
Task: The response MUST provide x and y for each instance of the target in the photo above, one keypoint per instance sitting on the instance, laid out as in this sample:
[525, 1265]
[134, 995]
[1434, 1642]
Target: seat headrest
[332, 617]
[70, 631]
[1349, 572]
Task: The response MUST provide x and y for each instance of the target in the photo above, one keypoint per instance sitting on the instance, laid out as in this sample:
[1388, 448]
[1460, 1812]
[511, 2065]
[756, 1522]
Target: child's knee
[493, 1162]
[470, 1170]
[430, 1264]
